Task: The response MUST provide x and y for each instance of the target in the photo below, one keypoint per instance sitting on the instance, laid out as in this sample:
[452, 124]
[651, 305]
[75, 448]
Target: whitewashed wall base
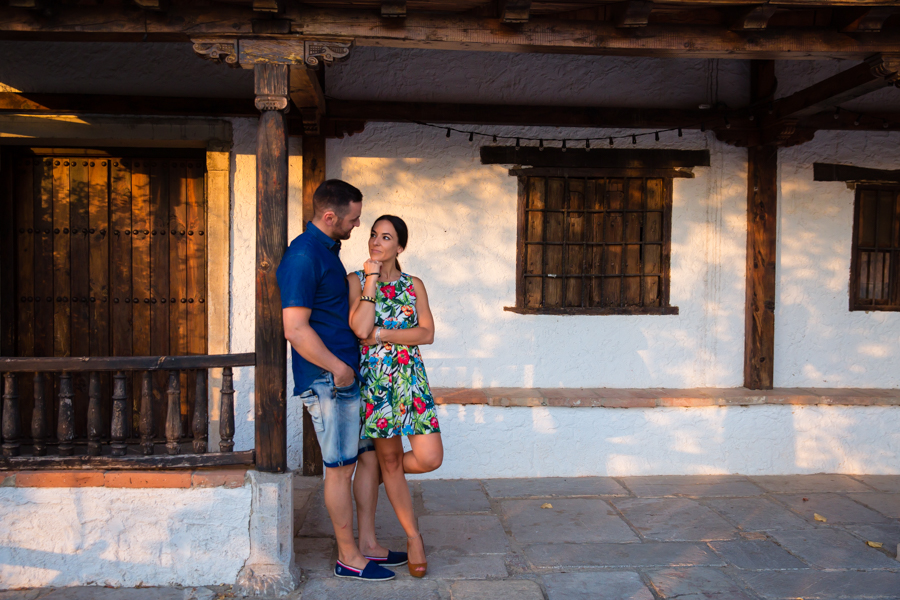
[270, 570]
[486, 442]
[122, 537]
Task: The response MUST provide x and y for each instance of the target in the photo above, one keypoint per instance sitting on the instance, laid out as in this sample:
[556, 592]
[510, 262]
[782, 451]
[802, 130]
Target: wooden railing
[108, 444]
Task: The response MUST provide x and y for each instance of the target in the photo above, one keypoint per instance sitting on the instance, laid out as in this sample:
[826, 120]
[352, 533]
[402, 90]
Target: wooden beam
[308, 96]
[313, 148]
[601, 157]
[178, 461]
[515, 11]
[8, 304]
[762, 221]
[850, 173]
[502, 114]
[272, 6]
[872, 20]
[393, 9]
[98, 104]
[755, 18]
[450, 32]
[635, 13]
[271, 87]
[874, 73]
[151, 4]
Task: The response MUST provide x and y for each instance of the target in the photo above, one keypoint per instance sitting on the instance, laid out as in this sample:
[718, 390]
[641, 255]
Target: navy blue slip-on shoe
[393, 559]
[372, 572]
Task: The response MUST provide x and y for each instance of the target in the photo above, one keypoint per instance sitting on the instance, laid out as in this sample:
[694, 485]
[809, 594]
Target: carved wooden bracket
[247, 52]
[885, 66]
[218, 49]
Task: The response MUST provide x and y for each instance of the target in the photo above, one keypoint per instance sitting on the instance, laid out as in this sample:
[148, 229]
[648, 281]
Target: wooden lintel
[755, 18]
[600, 157]
[449, 32]
[111, 463]
[874, 73]
[872, 20]
[98, 104]
[850, 173]
[393, 9]
[515, 11]
[635, 13]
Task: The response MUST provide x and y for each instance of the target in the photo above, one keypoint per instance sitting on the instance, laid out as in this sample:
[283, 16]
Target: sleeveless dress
[396, 397]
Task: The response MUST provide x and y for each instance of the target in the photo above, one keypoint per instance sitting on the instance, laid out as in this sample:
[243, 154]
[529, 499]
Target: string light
[495, 139]
[448, 132]
[471, 137]
[633, 139]
[679, 132]
[657, 136]
[587, 145]
[517, 143]
[727, 124]
[856, 122]
[564, 146]
[541, 146]
[610, 141]
[702, 127]
[837, 112]
[884, 123]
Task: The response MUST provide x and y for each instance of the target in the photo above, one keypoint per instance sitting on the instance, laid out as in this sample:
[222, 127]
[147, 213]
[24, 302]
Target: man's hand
[343, 376]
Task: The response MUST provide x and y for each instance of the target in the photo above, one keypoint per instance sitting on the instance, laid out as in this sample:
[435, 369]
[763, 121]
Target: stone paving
[622, 538]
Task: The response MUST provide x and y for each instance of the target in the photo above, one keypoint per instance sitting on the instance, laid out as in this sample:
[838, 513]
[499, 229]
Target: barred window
[875, 264]
[593, 242]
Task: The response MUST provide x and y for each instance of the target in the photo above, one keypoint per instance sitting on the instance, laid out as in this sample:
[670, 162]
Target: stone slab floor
[620, 538]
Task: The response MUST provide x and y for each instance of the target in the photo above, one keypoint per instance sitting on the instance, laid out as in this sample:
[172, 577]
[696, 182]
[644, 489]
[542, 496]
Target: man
[325, 360]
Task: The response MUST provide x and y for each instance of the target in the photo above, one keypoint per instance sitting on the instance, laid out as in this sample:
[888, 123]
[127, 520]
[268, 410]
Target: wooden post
[762, 222]
[271, 86]
[313, 175]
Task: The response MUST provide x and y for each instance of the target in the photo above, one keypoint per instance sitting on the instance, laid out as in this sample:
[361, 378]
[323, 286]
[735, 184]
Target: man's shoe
[393, 559]
[372, 572]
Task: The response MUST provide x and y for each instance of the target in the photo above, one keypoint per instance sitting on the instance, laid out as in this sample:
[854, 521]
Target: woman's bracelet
[370, 274]
[367, 299]
[378, 336]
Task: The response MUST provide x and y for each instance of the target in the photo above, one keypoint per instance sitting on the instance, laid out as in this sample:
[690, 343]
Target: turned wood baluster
[39, 417]
[95, 416]
[173, 416]
[226, 412]
[117, 428]
[200, 424]
[11, 420]
[147, 413]
[65, 426]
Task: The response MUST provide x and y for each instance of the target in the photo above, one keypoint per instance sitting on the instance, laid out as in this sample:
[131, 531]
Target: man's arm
[309, 345]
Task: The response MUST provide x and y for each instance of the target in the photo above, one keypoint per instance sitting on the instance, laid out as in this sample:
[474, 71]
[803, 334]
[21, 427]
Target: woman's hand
[371, 266]
[370, 341]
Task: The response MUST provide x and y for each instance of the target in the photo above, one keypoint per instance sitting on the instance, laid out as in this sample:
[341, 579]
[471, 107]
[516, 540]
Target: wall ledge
[206, 478]
[666, 397]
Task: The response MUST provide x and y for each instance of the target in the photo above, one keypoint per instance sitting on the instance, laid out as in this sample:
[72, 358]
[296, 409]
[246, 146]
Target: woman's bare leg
[365, 490]
[390, 457]
[426, 455]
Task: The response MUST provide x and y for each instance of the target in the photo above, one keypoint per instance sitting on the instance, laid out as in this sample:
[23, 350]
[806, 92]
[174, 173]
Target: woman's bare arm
[414, 336]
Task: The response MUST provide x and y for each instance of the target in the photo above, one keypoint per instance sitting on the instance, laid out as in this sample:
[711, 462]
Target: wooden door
[111, 261]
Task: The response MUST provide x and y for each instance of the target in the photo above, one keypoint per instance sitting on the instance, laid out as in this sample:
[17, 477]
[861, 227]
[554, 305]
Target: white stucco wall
[486, 441]
[122, 537]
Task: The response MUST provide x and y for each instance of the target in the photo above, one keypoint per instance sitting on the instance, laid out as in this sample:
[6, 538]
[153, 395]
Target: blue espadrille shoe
[393, 559]
[372, 572]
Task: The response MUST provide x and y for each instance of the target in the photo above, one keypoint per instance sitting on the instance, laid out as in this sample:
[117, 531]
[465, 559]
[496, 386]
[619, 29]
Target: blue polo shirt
[312, 275]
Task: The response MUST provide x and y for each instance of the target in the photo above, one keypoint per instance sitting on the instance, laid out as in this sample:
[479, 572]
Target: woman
[389, 313]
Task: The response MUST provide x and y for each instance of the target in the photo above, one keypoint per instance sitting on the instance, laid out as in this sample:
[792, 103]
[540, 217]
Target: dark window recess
[875, 265]
[593, 244]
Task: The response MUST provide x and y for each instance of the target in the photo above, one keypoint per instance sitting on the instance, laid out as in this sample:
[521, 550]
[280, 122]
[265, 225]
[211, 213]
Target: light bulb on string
[495, 139]
[656, 135]
[564, 146]
[633, 139]
[856, 122]
[541, 145]
[517, 143]
[587, 145]
[702, 127]
[448, 132]
[837, 112]
[679, 132]
[610, 141]
[727, 123]
[471, 137]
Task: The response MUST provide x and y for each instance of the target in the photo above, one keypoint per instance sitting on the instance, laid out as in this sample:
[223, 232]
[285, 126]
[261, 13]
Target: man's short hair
[335, 195]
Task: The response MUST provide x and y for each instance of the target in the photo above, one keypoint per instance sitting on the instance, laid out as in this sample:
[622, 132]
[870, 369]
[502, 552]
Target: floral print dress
[396, 397]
